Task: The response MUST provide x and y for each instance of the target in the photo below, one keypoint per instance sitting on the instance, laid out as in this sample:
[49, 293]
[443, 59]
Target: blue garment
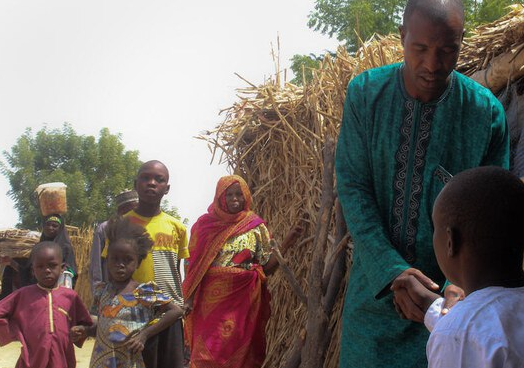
[394, 155]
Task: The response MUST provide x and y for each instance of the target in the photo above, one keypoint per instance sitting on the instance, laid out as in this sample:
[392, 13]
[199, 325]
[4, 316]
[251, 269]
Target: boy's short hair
[122, 229]
[37, 248]
[152, 162]
[486, 206]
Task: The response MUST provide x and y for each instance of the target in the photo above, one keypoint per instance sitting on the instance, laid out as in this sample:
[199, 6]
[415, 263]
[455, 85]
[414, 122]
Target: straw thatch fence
[275, 137]
[81, 240]
[18, 243]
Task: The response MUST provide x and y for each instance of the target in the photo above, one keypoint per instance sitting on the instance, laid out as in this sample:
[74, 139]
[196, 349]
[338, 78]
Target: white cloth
[433, 314]
[486, 329]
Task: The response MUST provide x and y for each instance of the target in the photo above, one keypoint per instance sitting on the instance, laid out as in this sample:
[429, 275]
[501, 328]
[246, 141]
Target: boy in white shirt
[479, 245]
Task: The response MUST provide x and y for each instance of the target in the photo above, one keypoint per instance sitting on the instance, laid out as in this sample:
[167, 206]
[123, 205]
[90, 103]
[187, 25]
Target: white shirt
[486, 329]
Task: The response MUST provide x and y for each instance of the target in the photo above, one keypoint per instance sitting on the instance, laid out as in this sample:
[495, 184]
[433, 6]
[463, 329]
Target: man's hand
[413, 293]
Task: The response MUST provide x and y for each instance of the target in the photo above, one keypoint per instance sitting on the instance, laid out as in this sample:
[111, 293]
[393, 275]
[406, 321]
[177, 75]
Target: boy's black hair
[122, 229]
[150, 162]
[435, 10]
[46, 244]
[486, 206]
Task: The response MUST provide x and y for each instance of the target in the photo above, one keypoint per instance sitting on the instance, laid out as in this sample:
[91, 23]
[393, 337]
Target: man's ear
[402, 31]
[454, 241]
[167, 188]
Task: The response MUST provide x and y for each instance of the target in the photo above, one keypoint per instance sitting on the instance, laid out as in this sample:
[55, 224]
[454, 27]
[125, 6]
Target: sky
[157, 72]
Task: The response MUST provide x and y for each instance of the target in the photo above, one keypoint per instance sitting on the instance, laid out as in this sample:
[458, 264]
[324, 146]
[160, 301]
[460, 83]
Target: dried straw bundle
[81, 240]
[490, 40]
[17, 243]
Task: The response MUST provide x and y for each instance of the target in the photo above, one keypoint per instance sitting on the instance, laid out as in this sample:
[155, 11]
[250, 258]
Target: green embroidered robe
[394, 155]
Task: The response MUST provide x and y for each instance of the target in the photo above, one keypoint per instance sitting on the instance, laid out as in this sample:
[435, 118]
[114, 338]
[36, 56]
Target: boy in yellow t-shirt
[162, 264]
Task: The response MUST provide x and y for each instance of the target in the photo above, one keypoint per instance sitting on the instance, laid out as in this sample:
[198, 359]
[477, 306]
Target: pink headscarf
[212, 229]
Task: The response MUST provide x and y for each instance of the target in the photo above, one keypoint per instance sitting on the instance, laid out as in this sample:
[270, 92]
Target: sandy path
[9, 354]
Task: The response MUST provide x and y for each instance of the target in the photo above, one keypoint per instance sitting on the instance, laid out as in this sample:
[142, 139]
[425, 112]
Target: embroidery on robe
[407, 248]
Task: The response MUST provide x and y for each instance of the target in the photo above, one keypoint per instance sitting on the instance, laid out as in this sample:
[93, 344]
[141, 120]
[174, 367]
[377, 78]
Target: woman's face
[51, 229]
[235, 200]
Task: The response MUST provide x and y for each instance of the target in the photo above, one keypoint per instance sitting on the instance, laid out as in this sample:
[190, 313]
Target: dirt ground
[9, 354]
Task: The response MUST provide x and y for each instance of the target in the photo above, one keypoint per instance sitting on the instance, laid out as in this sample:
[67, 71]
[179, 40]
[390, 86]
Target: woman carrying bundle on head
[17, 272]
[53, 229]
[225, 284]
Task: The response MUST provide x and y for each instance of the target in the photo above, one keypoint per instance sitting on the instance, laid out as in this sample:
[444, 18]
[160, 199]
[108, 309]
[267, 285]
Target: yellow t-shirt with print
[170, 245]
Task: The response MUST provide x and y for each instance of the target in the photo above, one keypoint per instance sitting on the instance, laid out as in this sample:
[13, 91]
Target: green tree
[352, 20]
[481, 12]
[173, 211]
[94, 170]
[302, 67]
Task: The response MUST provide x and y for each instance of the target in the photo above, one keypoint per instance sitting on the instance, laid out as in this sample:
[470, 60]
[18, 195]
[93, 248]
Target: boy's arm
[433, 314]
[9, 329]
[183, 250]
[82, 323]
[81, 332]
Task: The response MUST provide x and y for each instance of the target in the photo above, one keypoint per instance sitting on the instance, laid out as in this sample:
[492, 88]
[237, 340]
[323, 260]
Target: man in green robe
[406, 128]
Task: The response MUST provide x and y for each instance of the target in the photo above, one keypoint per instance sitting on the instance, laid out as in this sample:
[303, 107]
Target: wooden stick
[290, 277]
[293, 358]
[317, 321]
[332, 260]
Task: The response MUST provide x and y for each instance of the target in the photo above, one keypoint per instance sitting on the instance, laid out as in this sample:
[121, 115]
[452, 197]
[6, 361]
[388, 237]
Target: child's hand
[136, 343]
[452, 295]
[187, 307]
[78, 333]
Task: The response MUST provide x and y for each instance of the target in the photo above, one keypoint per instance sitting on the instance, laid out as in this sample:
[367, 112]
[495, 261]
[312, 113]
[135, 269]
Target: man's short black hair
[436, 10]
[486, 206]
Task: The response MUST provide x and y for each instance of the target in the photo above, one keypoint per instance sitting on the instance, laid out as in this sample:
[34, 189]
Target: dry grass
[81, 240]
[490, 40]
[17, 243]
